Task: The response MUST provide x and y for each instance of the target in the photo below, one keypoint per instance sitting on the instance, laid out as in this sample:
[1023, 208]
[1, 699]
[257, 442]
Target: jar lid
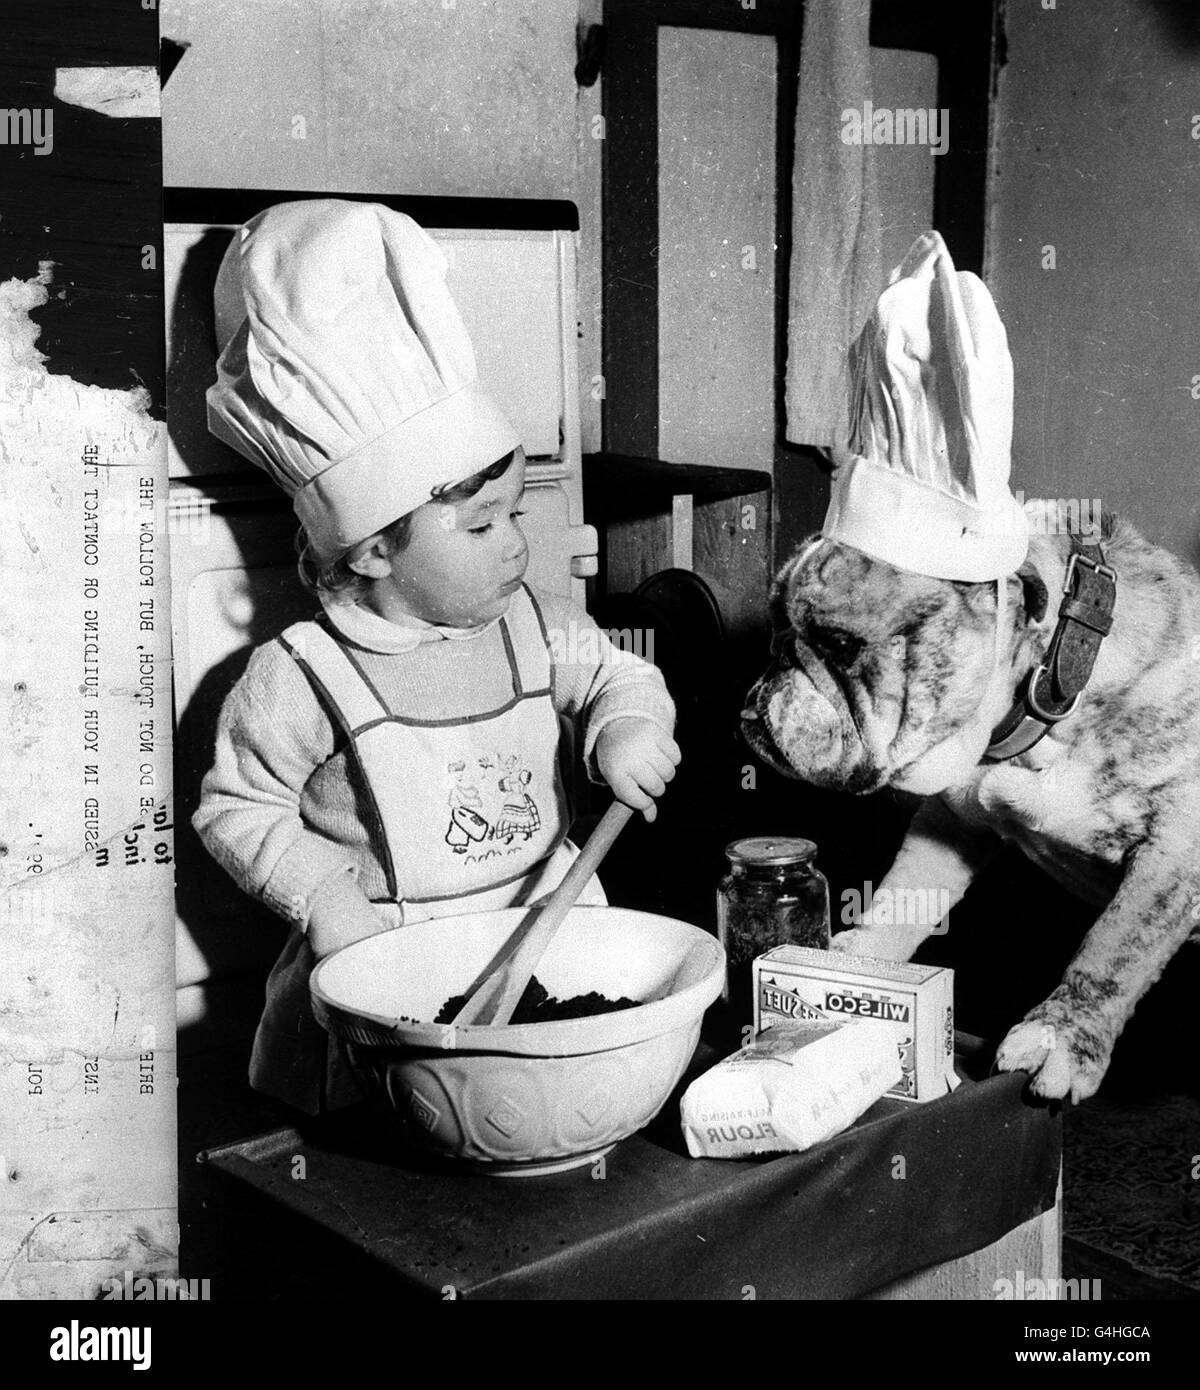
[770, 850]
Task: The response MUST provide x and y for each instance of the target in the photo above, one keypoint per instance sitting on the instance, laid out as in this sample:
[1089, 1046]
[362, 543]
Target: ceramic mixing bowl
[526, 1098]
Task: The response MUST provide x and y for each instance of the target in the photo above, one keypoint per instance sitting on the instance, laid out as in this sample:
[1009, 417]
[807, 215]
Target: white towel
[837, 264]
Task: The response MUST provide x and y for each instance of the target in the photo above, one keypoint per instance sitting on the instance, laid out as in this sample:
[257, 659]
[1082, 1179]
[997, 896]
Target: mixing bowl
[524, 1098]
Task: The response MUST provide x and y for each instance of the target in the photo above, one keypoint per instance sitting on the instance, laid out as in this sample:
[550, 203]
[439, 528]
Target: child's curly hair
[336, 576]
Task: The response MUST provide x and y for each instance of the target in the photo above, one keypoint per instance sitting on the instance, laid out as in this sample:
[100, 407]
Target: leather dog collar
[1053, 689]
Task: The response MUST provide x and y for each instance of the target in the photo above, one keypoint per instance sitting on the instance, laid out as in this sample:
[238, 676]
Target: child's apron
[438, 798]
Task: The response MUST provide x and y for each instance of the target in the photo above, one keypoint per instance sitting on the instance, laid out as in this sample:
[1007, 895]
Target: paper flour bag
[795, 1085]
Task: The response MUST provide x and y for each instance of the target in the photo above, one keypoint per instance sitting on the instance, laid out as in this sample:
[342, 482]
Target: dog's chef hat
[931, 428]
[345, 370]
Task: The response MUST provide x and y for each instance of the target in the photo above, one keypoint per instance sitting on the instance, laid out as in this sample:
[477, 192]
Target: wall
[1094, 156]
[419, 96]
[466, 98]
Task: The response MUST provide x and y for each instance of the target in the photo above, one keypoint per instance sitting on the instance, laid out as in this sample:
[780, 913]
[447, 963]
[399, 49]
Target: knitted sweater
[280, 807]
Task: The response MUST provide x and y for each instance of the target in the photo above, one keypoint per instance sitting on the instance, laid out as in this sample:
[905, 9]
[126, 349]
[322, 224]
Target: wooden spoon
[495, 999]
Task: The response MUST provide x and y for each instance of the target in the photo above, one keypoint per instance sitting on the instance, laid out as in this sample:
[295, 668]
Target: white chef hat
[345, 370]
[931, 407]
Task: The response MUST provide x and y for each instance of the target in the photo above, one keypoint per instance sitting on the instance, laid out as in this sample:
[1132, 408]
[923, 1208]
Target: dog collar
[1053, 689]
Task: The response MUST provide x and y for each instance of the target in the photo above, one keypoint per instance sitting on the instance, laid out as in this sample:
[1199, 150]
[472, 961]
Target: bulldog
[881, 677]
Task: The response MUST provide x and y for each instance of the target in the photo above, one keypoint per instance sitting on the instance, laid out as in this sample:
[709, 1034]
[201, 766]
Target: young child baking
[401, 757]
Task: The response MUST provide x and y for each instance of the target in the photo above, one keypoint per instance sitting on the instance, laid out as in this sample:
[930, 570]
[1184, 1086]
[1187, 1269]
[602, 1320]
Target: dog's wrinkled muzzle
[802, 732]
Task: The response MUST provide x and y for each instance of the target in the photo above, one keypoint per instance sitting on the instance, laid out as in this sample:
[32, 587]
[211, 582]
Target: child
[399, 758]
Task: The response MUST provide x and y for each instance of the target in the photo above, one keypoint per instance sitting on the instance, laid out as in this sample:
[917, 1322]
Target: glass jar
[773, 895]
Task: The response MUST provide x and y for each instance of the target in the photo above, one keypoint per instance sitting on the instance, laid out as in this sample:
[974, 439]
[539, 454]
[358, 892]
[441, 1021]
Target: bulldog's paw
[872, 941]
[1062, 1057]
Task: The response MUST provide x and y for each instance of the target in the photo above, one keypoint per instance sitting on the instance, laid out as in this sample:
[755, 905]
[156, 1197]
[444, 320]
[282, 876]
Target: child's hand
[340, 917]
[637, 759]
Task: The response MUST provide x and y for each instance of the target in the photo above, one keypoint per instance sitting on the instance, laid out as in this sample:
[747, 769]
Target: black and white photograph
[600, 662]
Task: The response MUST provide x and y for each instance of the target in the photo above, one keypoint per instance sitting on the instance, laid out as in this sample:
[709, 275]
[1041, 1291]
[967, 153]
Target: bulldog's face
[879, 677]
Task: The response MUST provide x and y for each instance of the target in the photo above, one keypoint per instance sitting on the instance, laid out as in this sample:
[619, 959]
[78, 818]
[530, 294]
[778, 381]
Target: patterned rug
[1131, 1183]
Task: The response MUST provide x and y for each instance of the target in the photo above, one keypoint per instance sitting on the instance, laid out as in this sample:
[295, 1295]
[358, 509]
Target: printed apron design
[463, 805]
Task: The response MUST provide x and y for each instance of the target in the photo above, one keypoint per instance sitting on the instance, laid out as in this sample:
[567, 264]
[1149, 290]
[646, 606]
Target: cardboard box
[796, 982]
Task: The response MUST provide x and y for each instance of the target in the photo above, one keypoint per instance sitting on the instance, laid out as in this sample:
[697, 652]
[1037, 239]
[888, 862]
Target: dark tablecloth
[906, 1187]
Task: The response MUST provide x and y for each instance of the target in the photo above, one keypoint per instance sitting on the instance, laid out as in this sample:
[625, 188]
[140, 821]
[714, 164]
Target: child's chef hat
[931, 428]
[345, 370]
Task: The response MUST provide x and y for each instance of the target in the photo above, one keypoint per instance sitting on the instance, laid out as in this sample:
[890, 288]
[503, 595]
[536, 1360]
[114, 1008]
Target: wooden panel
[900, 81]
[732, 554]
[630, 252]
[716, 229]
[636, 549]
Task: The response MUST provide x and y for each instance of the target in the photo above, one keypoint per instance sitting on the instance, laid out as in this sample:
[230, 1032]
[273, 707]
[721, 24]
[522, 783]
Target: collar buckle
[1035, 706]
[1096, 566]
